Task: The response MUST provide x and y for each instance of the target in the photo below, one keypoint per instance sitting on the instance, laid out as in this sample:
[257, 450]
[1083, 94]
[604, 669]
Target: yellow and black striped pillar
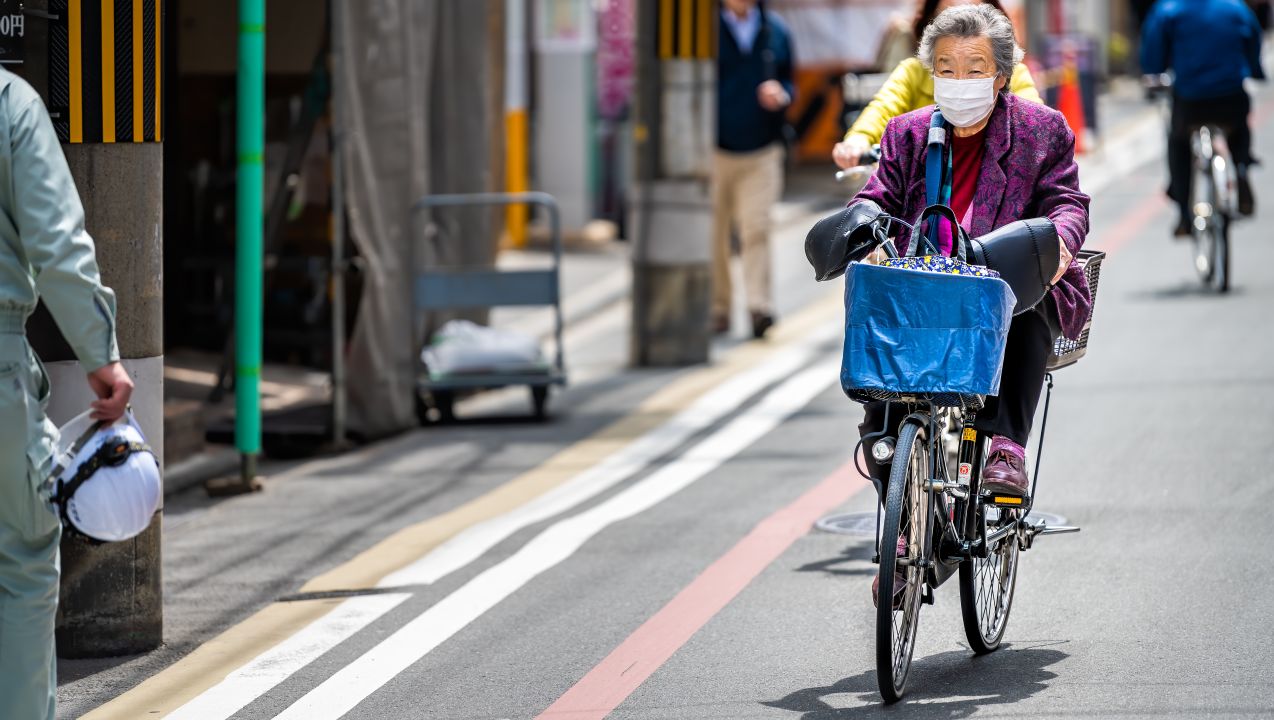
[105, 58]
[687, 29]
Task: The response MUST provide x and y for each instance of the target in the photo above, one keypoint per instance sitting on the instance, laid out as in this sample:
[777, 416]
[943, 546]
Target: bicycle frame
[957, 506]
[953, 502]
[1211, 154]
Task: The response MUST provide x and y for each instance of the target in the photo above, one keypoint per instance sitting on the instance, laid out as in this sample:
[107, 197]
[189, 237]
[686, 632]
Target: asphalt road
[669, 570]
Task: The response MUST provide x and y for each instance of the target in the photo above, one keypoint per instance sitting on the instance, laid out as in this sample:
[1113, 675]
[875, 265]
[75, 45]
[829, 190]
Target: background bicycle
[1214, 200]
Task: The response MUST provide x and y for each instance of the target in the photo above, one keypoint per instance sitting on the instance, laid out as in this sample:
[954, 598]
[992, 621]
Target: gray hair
[970, 21]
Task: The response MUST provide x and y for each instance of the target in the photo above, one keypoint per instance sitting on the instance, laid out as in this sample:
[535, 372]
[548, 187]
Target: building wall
[209, 35]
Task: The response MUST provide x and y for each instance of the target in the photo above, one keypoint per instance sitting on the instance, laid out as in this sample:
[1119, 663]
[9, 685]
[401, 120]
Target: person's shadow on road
[946, 686]
[854, 560]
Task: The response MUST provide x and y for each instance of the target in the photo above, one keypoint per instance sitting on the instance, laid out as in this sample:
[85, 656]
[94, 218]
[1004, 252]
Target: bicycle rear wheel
[906, 518]
[987, 584]
[1220, 228]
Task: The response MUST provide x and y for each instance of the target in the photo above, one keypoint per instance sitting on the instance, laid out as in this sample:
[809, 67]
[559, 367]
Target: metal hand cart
[467, 288]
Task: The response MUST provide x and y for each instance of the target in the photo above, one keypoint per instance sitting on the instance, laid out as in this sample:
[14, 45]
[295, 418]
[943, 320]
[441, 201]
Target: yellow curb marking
[211, 662]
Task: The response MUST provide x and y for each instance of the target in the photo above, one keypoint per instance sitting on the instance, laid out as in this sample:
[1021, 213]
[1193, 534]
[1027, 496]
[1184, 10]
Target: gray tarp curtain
[413, 88]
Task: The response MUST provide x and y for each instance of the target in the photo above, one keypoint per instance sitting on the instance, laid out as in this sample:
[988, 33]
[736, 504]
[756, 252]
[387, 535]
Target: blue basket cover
[910, 331]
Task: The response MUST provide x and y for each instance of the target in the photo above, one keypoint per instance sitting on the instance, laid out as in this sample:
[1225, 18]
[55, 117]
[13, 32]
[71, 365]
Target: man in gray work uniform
[44, 254]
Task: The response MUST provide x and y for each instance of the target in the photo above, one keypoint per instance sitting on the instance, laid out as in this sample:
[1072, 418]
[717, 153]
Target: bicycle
[1214, 204]
[947, 526]
[1214, 195]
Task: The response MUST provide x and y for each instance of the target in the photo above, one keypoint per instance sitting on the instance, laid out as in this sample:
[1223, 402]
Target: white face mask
[964, 102]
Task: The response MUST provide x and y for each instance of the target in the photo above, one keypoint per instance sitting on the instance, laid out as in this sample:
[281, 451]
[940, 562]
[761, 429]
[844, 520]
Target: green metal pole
[250, 224]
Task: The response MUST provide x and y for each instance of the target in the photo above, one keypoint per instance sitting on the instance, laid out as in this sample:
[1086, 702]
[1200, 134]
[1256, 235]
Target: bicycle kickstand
[1031, 530]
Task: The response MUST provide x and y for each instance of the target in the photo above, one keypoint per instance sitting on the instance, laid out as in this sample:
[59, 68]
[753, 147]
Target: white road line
[352, 684]
[272, 667]
[623, 464]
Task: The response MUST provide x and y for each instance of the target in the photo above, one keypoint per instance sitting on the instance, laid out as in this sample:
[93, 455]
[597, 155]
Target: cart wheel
[540, 399]
[445, 402]
[422, 409]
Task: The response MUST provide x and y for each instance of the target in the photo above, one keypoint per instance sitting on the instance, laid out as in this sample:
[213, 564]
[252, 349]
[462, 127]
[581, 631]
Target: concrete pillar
[670, 204]
[111, 596]
[110, 600]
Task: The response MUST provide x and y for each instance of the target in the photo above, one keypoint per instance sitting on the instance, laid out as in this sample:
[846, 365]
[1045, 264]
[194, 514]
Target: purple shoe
[1005, 474]
[900, 581]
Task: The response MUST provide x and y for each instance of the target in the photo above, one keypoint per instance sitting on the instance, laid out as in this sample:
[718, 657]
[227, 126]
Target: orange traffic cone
[1071, 103]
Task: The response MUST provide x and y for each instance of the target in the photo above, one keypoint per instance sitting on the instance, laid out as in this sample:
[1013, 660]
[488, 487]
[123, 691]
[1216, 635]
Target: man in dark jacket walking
[1211, 46]
[754, 87]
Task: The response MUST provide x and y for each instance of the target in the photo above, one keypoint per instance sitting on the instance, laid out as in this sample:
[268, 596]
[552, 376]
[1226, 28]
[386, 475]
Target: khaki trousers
[29, 535]
[745, 186]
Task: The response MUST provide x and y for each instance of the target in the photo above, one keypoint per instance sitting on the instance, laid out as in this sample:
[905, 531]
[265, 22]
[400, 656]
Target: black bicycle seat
[1026, 255]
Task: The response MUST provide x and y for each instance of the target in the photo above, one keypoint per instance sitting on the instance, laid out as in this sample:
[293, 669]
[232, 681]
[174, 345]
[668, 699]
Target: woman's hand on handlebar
[850, 152]
[876, 257]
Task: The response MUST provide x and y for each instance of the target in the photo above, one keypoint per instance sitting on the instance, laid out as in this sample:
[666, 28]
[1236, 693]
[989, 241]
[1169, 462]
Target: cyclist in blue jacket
[1211, 46]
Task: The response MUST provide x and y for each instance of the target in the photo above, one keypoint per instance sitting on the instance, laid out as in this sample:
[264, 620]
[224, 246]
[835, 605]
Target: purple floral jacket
[1029, 171]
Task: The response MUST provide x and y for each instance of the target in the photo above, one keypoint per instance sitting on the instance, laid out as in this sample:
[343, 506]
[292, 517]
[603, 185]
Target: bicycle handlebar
[866, 165]
[1157, 85]
[881, 227]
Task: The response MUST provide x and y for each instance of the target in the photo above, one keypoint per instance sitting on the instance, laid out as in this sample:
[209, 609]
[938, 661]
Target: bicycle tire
[1202, 232]
[906, 515]
[1221, 253]
[1203, 194]
[1204, 255]
[986, 589]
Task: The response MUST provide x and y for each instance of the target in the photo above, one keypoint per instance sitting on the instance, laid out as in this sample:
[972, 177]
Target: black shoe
[1185, 227]
[761, 322]
[1247, 203]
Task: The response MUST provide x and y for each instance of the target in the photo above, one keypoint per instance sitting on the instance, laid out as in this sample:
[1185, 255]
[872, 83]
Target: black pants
[1230, 113]
[1011, 413]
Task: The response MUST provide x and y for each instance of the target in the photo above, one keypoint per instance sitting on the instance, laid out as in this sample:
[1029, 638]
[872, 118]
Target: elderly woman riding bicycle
[1004, 159]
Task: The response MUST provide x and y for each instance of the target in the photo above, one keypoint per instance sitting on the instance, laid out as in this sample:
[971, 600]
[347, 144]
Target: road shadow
[946, 686]
[1186, 291]
[853, 561]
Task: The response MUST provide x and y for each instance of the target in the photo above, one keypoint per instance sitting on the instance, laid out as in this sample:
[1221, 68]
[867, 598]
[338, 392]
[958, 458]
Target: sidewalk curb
[1135, 142]
[598, 297]
[195, 470]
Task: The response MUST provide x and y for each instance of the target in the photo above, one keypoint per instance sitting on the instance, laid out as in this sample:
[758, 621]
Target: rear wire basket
[1067, 352]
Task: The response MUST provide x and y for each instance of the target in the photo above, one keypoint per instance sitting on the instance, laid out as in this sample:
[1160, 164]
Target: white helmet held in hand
[107, 486]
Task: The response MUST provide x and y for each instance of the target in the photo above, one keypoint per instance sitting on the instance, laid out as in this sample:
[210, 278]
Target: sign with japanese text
[12, 31]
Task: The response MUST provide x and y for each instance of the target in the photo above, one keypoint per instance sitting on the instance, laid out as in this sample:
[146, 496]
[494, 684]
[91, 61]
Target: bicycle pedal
[1008, 501]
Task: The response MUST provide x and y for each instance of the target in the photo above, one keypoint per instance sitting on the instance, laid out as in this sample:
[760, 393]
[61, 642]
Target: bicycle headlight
[883, 450]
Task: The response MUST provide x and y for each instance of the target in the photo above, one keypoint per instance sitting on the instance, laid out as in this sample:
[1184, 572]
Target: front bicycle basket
[1067, 352]
[923, 334]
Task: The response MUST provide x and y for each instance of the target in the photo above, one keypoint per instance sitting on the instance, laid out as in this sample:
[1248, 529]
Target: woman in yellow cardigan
[910, 87]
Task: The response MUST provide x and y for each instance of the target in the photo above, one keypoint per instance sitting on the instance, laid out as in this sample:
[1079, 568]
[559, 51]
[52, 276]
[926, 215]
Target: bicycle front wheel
[987, 584]
[902, 552]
